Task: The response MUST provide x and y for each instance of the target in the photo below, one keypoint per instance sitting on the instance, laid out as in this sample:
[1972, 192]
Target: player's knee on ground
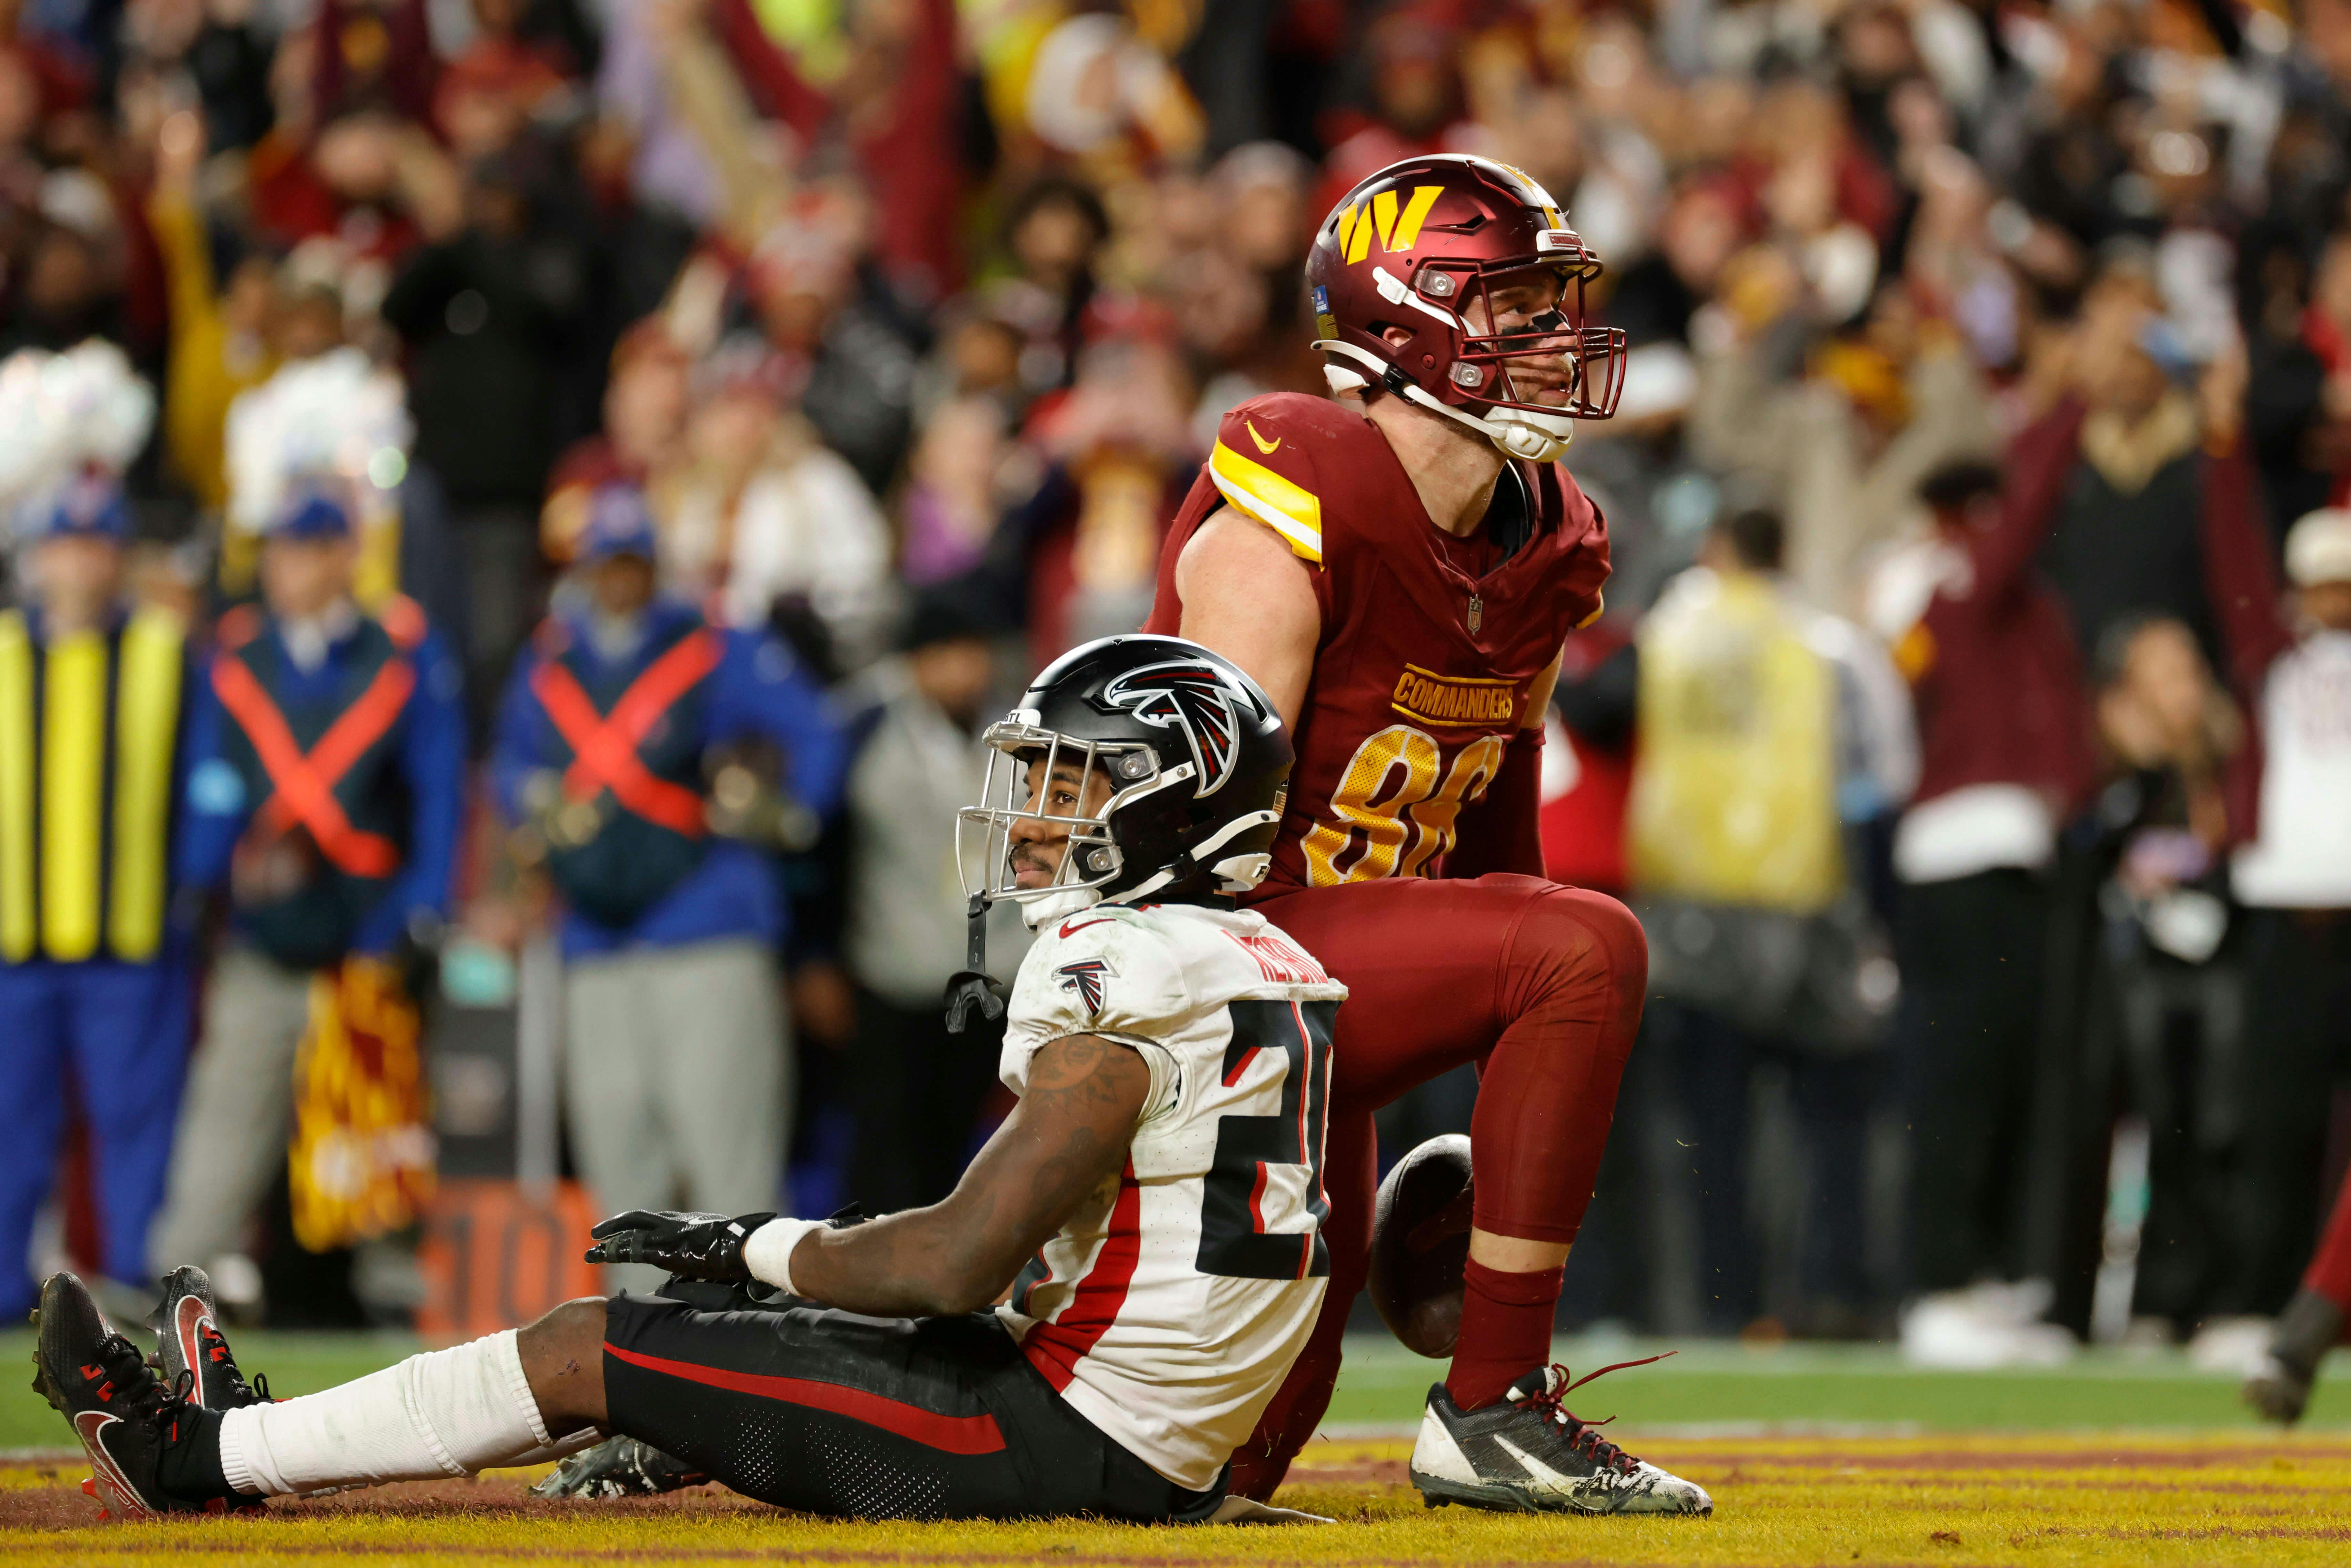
[563, 1358]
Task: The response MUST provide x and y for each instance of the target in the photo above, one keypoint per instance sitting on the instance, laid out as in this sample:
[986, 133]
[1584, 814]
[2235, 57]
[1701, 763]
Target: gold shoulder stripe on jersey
[1449, 700]
[1599, 607]
[1268, 447]
[1289, 510]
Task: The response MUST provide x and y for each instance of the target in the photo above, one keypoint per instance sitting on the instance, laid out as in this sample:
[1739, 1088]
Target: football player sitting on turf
[1157, 1191]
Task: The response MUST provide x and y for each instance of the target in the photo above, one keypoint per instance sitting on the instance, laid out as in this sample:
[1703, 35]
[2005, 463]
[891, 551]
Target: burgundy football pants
[2329, 1273]
[1539, 984]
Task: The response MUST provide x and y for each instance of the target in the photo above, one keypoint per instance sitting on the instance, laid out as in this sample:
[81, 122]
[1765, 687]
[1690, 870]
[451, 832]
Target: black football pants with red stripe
[832, 1412]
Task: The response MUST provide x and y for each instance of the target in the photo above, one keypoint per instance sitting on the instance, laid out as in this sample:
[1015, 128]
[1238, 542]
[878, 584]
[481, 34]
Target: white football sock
[448, 1412]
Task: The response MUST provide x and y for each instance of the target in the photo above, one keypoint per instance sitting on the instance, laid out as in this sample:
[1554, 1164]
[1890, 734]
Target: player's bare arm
[1538, 695]
[1066, 1137]
[1247, 595]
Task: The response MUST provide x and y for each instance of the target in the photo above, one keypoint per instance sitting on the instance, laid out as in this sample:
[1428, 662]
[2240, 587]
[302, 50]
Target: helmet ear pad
[1155, 817]
[1173, 814]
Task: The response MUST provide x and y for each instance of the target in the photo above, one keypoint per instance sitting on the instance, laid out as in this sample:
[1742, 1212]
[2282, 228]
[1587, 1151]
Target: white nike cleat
[1528, 1455]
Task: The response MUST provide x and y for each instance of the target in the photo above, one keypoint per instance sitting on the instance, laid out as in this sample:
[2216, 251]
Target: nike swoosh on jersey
[1268, 447]
[1066, 929]
[88, 1426]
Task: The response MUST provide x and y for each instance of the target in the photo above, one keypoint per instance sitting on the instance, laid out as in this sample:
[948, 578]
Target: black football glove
[692, 1246]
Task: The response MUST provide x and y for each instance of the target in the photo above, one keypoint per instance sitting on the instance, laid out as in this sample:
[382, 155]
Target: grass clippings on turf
[2081, 1501]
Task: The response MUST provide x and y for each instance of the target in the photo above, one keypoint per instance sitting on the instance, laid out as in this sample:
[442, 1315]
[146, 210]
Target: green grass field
[1704, 1386]
[1815, 1456]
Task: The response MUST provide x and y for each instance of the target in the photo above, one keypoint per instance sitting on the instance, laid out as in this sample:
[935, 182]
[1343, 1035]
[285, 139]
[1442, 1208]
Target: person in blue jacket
[326, 794]
[96, 986]
[662, 766]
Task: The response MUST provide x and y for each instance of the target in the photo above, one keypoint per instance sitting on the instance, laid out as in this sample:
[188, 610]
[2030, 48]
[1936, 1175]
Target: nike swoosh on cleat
[1268, 447]
[90, 1427]
[189, 1326]
[1536, 1470]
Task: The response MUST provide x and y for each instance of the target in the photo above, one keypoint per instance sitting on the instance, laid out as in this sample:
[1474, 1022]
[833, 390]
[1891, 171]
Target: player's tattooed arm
[1068, 1134]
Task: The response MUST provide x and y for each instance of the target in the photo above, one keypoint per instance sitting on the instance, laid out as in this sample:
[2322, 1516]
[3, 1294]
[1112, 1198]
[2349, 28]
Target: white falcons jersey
[1169, 1308]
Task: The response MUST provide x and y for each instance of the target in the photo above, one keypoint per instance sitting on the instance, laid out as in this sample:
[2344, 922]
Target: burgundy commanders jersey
[1422, 672]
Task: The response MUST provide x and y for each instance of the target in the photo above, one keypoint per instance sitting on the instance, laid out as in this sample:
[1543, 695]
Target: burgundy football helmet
[1426, 242]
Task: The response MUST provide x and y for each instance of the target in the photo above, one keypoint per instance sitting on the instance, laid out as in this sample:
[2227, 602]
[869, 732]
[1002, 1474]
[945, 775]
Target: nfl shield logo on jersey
[1085, 977]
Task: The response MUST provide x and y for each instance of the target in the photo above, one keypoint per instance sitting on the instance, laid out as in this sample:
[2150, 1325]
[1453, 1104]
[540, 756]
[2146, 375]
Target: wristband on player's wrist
[767, 1251]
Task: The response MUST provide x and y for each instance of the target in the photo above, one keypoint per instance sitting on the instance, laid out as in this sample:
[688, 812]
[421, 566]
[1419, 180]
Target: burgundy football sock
[1505, 1330]
[2329, 1274]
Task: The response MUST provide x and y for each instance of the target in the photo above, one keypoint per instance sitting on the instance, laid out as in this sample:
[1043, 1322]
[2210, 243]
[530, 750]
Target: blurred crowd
[1971, 722]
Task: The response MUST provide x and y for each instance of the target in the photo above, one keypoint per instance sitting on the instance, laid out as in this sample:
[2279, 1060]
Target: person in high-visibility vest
[325, 794]
[1770, 735]
[659, 765]
[95, 982]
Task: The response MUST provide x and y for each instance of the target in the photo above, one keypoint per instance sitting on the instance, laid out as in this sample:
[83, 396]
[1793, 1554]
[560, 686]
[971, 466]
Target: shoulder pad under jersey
[1264, 463]
[1104, 970]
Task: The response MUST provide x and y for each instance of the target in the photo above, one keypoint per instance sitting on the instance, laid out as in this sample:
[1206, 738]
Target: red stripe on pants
[948, 1434]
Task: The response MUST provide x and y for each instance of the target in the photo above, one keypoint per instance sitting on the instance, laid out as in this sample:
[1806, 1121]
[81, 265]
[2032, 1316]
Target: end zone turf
[2065, 1501]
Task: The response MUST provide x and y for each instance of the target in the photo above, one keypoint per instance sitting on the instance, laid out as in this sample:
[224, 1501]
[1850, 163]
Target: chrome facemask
[1089, 860]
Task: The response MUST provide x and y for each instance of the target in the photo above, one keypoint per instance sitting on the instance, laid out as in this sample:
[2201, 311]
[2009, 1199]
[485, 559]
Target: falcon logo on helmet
[1191, 697]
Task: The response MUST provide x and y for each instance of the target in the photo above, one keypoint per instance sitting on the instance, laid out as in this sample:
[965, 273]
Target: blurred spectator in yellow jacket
[220, 336]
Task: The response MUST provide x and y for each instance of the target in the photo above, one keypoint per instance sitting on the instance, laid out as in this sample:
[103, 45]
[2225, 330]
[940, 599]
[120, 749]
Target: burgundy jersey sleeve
[1264, 467]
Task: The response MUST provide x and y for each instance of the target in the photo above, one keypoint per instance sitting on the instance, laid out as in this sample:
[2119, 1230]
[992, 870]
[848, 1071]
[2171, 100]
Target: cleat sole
[1437, 1492]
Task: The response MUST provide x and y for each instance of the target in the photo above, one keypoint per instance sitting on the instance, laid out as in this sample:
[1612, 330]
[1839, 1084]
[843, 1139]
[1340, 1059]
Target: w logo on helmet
[1191, 697]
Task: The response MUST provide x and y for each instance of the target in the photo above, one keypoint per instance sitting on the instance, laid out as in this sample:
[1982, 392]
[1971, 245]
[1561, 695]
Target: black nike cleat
[125, 1416]
[2308, 1328]
[618, 1467]
[187, 1323]
[1528, 1454]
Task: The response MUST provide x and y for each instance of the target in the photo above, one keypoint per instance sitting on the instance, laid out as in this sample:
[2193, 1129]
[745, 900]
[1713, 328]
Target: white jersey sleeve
[1169, 1308]
[1125, 984]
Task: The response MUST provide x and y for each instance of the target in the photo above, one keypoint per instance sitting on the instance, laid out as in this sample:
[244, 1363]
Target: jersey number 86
[1405, 825]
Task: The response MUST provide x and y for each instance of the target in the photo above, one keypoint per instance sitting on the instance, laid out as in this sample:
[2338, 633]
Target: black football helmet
[1196, 759]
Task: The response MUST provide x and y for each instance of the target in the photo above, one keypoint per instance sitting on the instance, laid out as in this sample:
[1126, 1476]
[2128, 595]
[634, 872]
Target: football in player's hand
[1420, 1242]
